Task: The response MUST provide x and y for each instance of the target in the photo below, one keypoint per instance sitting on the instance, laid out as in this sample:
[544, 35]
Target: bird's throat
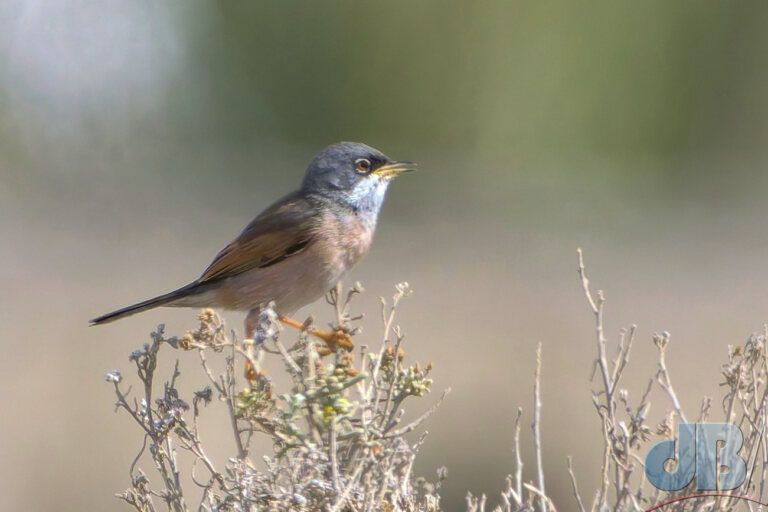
[368, 196]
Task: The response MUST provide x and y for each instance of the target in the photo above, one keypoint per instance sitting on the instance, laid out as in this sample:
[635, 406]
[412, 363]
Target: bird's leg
[332, 339]
[251, 321]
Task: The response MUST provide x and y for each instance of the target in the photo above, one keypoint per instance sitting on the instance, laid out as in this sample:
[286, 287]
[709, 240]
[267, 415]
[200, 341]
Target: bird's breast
[346, 239]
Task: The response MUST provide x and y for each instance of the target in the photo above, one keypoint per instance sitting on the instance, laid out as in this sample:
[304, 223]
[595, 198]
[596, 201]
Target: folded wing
[279, 232]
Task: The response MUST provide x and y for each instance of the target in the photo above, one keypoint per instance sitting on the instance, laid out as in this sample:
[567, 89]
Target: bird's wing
[281, 231]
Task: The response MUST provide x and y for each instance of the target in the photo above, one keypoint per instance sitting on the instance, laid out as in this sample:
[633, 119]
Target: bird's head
[353, 174]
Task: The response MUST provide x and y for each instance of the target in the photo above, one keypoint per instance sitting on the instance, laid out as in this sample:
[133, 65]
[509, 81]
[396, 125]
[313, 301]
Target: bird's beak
[392, 169]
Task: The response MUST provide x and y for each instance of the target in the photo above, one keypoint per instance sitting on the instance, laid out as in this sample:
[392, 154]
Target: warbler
[298, 248]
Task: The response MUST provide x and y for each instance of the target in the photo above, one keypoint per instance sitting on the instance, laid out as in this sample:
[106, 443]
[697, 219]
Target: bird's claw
[335, 339]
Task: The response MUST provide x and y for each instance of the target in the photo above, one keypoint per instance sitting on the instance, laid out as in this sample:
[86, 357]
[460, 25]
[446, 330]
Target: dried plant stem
[544, 501]
[518, 494]
[575, 486]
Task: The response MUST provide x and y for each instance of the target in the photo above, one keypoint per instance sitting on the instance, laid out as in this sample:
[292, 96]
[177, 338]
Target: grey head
[352, 175]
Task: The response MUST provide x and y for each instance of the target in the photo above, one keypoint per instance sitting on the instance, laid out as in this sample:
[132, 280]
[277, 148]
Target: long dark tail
[160, 300]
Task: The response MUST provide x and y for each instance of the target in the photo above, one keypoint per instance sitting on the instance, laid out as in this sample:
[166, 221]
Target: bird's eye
[363, 165]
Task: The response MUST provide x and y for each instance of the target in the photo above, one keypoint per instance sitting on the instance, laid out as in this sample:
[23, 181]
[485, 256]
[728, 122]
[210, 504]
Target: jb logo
[701, 449]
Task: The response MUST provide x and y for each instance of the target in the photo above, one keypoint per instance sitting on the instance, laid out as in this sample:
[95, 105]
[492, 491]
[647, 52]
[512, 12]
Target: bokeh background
[136, 138]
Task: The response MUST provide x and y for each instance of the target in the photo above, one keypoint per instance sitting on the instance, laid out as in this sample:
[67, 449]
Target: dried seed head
[114, 376]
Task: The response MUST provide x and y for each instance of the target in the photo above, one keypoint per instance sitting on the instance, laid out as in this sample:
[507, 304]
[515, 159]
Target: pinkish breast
[347, 239]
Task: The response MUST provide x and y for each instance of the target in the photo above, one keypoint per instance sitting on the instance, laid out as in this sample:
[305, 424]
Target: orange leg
[333, 339]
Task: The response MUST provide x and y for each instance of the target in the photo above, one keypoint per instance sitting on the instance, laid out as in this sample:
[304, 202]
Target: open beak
[392, 169]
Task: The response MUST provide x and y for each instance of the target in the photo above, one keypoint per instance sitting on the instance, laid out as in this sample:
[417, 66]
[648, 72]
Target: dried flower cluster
[338, 430]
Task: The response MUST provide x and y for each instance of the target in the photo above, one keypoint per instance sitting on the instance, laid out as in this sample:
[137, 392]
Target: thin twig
[537, 430]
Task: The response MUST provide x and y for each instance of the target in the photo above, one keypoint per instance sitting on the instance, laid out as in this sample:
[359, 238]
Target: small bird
[299, 248]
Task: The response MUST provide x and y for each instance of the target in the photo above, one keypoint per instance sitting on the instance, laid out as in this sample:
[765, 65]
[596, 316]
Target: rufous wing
[279, 232]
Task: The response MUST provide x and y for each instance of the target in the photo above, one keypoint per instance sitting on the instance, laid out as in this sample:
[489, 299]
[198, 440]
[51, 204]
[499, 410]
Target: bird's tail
[154, 302]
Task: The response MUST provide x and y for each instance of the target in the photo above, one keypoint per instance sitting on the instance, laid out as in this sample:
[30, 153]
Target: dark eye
[363, 165]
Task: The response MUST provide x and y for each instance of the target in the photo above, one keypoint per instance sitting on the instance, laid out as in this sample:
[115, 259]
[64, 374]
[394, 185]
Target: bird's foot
[335, 339]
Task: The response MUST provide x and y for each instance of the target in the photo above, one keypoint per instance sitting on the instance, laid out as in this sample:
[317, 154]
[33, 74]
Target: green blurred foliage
[519, 84]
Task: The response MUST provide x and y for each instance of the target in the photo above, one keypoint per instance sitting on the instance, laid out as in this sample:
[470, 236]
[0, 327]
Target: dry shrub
[340, 441]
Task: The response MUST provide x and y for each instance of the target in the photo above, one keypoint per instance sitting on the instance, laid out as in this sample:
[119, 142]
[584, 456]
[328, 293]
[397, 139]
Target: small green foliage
[413, 381]
[253, 402]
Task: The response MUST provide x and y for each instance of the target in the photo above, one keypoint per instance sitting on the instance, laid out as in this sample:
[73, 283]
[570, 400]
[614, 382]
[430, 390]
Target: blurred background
[136, 138]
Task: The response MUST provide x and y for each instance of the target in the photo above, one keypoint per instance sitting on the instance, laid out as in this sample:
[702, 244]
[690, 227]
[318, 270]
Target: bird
[297, 249]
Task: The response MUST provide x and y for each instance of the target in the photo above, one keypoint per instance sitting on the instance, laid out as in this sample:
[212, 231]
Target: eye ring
[363, 165]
